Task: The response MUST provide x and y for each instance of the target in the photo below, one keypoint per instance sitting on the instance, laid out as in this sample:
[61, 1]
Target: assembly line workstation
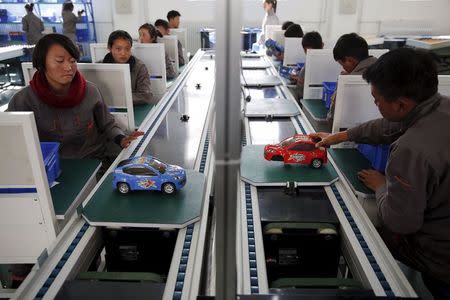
[170, 137]
[279, 200]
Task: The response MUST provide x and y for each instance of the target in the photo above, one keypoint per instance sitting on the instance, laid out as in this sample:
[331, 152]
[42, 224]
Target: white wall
[103, 15]
[368, 18]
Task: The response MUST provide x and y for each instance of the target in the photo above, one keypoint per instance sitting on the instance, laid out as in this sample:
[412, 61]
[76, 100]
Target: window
[161, 167]
[124, 162]
[302, 147]
[139, 171]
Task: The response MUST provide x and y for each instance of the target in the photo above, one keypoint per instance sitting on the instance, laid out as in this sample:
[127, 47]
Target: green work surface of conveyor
[260, 172]
[140, 112]
[316, 112]
[277, 107]
[146, 208]
[350, 162]
[75, 173]
[316, 108]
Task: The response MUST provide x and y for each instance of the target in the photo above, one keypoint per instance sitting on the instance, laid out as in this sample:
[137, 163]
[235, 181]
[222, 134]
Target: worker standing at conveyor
[70, 21]
[32, 25]
[413, 198]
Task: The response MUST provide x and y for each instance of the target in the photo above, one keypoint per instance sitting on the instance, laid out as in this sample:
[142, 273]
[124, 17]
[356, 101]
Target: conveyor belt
[361, 245]
[274, 107]
[263, 132]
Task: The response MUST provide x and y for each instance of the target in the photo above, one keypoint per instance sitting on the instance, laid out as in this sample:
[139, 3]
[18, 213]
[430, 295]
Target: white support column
[228, 142]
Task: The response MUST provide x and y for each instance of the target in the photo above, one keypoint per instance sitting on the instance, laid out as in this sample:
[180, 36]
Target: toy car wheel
[123, 187]
[277, 158]
[168, 188]
[316, 163]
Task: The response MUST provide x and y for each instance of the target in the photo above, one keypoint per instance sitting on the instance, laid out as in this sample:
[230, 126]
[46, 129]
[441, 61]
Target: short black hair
[163, 23]
[286, 25]
[351, 45]
[173, 14]
[29, 6]
[404, 72]
[67, 6]
[44, 44]
[151, 30]
[294, 31]
[119, 34]
[274, 4]
[312, 40]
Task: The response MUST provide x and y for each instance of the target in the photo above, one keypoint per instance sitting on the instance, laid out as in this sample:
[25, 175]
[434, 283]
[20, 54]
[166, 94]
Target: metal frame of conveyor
[365, 252]
[79, 242]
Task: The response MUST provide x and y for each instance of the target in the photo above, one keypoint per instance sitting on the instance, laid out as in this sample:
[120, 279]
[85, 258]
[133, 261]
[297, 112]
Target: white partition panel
[321, 66]
[27, 218]
[181, 34]
[444, 85]
[171, 46]
[354, 103]
[98, 51]
[153, 56]
[114, 83]
[270, 31]
[293, 52]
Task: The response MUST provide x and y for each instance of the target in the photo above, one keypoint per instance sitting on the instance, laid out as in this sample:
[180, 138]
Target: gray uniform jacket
[359, 70]
[140, 84]
[300, 85]
[181, 61]
[82, 130]
[415, 202]
[70, 21]
[33, 27]
[170, 71]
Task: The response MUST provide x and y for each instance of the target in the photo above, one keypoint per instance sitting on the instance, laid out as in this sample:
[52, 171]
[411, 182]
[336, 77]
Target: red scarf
[41, 88]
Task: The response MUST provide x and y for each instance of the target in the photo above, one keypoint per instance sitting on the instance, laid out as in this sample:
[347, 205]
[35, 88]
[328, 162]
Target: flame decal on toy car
[297, 157]
[146, 184]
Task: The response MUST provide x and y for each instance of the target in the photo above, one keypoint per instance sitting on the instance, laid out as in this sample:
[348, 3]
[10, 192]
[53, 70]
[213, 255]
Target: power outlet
[123, 7]
[347, 7]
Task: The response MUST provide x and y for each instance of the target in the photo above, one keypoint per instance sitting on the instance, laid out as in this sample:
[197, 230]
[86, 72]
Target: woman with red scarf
[67, 108]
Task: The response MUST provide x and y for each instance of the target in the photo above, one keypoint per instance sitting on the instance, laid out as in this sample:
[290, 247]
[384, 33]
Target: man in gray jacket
[352, 53]
[413, 198]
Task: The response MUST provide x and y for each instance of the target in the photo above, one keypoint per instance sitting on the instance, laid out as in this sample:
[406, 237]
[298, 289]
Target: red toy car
[299, 149]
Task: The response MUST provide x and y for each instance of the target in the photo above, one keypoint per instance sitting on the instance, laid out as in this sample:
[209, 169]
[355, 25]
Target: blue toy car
[148, 173]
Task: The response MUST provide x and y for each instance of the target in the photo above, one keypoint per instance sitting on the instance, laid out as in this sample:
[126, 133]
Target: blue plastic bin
[51, 160]
[16, 36]
[285, 71]
[82, 35]
[300, 66]
[377, 155]
[328, 90]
